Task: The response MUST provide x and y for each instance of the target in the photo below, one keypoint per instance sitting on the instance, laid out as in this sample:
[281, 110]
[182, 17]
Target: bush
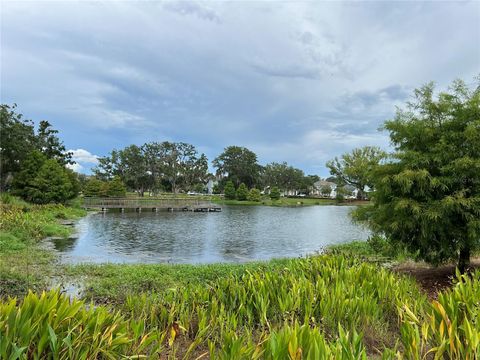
[216, 189]
[93, 187]
[254, 195]
[43, 180]
[229, 191]
[242, 192]
[116, 188]
[51, 185]
[274, 193]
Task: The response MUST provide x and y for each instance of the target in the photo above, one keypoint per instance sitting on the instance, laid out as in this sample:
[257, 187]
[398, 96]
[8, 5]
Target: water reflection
[64, 244]
[236, 234]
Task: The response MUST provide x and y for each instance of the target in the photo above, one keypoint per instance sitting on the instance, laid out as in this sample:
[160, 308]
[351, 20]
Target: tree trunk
[464, 259]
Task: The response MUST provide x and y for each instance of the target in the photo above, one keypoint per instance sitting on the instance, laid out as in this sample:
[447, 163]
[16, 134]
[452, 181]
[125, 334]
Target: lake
[237, 234]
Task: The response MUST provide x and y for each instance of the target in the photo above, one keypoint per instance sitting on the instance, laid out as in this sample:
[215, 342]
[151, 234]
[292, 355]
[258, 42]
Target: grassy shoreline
[24, 264]
[265, 200]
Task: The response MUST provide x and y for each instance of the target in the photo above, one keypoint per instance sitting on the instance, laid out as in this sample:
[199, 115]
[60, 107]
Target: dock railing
[138, 203]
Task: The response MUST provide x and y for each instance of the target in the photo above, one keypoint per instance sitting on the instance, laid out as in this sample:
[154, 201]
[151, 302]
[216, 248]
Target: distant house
[352, 191]
[210, 185]
[320, 185]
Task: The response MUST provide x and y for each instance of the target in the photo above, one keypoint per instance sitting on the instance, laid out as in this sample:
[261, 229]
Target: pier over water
[152, 204]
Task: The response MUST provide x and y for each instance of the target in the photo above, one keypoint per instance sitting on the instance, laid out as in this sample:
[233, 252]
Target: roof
[322, 183]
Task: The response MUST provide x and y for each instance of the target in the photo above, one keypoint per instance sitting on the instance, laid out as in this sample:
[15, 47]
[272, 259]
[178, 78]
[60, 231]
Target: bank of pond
[329, 306]
[325, 307]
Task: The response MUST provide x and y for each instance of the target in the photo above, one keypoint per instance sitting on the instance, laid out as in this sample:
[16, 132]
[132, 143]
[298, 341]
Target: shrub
[229, 190]
[51, 185]
[216, 189]
[116, 188]
[274, 193]
[93, 187]
[254, 195]
[242, 192]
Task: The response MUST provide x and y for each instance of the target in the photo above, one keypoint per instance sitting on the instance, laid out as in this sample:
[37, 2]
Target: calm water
[237, 234]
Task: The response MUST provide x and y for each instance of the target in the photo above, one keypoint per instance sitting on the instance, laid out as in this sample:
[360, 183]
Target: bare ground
[432, 280]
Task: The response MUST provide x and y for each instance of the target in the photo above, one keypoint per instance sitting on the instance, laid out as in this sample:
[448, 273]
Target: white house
[319, 185]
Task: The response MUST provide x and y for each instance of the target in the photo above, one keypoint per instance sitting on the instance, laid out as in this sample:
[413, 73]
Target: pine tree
[242, 192]
[93, 187]
[23, 181]
[229, 191]
[116, 188]
[254, 195]
[274, 193]
[427, 198]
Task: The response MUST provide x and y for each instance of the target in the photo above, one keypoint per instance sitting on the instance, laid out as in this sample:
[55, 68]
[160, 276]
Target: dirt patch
[432, 280]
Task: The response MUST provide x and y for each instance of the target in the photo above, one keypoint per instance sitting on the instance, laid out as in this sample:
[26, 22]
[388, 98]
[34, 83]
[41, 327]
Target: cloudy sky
[299, 82]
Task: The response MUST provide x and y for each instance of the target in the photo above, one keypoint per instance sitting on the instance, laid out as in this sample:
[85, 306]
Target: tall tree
[239, 165]
[108, 167]
[195, 172]
[17, 140]
[154, 153]
[182, 166]
[23, 182]
[50, 145]
[427, 197]
[154, 165]
[286, 177]
[133, 168]
[356, 168]
[229, 191]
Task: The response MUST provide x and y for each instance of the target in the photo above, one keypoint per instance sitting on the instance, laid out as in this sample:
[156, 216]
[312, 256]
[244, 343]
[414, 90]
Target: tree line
[178, 167]
[155, 167]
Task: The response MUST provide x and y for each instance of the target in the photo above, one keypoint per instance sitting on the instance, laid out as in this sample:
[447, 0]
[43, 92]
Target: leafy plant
[53, 326]
[242, 192]
[274, 193]
[254, 195]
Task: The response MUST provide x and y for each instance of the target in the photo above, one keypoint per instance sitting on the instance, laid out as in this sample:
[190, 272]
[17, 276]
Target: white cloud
[76, 167]
[84, 156]
[84, 160]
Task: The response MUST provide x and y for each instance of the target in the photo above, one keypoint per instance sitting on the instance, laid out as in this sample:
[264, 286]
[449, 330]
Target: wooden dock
[150, 204]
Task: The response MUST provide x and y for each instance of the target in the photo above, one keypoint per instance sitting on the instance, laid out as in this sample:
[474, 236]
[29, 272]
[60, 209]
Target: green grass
[23, 263]
[375, 249]
[112, 283]
[282, 202]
